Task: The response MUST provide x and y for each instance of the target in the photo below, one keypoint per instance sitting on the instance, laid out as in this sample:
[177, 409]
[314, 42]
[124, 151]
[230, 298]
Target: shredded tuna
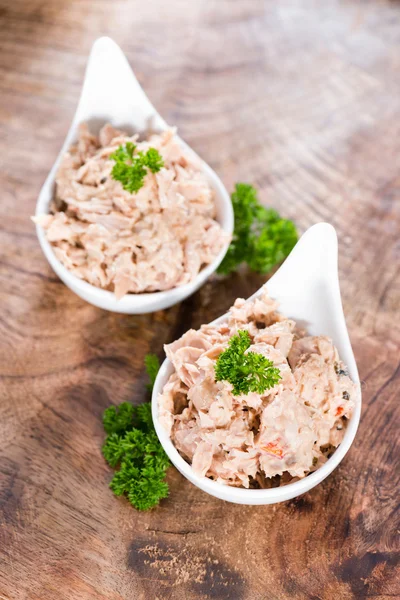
[257, 440]
[156, 239]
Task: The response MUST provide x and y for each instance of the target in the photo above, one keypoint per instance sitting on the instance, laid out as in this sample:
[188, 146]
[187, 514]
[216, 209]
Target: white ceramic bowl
[112, 94]
[307, 289]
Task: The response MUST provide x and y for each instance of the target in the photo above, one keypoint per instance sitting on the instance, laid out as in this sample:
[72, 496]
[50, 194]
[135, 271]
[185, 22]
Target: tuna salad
[258, 439]
[155, 238]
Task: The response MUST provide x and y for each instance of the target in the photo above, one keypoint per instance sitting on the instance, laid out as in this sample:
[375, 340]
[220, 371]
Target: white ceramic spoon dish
[112, 94]
[307, 289]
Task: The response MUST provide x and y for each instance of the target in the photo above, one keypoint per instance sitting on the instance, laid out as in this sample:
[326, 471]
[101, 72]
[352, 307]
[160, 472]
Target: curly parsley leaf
[246, 371]
[261, 237]
[152, 367]
[113, 450]
[143, 419]
[117, 419]
[130, 169]
[133, 448]
[152, 160]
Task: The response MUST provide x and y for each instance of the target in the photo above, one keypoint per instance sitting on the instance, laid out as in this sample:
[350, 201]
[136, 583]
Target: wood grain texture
[300, 98]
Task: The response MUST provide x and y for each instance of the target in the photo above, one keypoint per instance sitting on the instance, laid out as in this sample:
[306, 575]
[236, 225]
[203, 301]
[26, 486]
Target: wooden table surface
[301, 99]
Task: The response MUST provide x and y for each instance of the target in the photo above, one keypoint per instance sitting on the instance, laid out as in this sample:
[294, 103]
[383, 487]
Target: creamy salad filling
[256, 440]
[156, 239]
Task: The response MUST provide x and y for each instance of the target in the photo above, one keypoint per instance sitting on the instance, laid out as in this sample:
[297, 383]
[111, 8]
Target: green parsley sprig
[132, 445]
[246, 371]
[261, 238]
[130, 169]
[152, 365]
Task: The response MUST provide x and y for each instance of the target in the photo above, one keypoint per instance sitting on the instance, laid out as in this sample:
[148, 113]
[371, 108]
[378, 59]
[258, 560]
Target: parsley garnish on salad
[261, 238]
[130, 169]
[246, 371]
